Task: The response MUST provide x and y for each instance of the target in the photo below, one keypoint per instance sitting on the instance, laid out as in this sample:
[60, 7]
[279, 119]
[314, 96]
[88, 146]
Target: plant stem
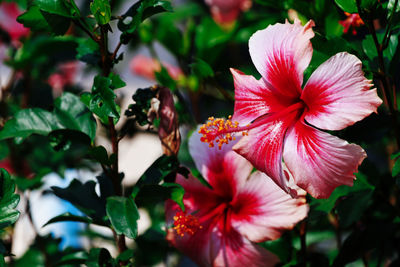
[382, 75]
[303, 248]
[106, 64]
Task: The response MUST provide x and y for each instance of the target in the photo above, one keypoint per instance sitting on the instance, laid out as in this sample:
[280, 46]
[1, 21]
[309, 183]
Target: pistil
[222, 131]
[186, 223]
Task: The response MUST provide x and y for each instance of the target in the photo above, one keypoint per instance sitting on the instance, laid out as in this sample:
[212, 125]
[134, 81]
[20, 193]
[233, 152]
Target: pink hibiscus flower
[147, 67]
[282, 121]
[352, 21]
[226, 11]
[9, 13]
[220, 226]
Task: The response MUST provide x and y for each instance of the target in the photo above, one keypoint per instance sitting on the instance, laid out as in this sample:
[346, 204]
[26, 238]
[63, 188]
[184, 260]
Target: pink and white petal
[338, 95]
[237, 251]
[281, 53]
[263, 148]
[211, 161]
[253, 98]
[200, 247]
[263, 211]
[320, 162]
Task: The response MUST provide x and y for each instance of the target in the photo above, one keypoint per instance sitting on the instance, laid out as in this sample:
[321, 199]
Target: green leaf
[396, 168]
[78, 257]
[201, 69]
[99, 153]
[150, 195]
[38, 20]
[73, 114]
[65, 8]
[69, 113]
[138, 13]
[116, 81]
[101, 100]
[42, 50]
[88, 51]
[101, 10]
[100, 257]
[176, 193]
[326, 205]
[123, 215]
[160, 169]
[347, 5]
[8, 200]
[30, 121]
[68, 217]
[85, 198]
[163, 78]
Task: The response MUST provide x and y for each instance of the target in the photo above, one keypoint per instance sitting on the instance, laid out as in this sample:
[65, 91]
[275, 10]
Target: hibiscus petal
[262, 210]
[320, 162]
[253, 98]
[338, 95]
[281, 53]
[236, 251]
[263, 148]
[224, 169]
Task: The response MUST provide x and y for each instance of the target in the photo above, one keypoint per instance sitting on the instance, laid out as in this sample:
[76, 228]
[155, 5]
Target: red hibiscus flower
[220, 226]
[282, 121]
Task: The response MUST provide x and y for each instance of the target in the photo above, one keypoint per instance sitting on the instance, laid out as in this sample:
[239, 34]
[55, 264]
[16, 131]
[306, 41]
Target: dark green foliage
[139, 110]
[123, 215]
[69, 113]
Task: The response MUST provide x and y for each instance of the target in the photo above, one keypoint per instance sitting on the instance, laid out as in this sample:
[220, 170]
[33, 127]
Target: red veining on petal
[186, 223]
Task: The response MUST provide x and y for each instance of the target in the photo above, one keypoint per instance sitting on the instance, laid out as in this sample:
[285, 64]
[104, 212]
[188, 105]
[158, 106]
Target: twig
[386, 88]
[106, 63]
[114, 55]
[303, 243]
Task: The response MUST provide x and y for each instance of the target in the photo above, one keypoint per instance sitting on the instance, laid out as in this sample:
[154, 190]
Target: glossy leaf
[101, 10]
[347, 5]
[59, 7]
[68, 217]
[8, 200]
[79, 257]
[201, 69]
[39, 20]
[83, 197]
[69, 113]
[138, 13]
[123, 215]
[101, 100]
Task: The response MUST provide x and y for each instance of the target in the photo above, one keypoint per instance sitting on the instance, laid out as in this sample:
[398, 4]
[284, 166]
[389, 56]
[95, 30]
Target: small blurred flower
[21, 168]
[221, 226]
[352, 21]
[9, 13]
[225, 12]
[147, 67]
[64, 76]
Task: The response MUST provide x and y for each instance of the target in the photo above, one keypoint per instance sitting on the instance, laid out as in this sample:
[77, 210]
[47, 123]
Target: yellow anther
[218, 130]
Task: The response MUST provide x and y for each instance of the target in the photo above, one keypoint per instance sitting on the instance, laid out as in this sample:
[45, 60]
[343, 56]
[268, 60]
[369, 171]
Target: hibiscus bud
[163, 108]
